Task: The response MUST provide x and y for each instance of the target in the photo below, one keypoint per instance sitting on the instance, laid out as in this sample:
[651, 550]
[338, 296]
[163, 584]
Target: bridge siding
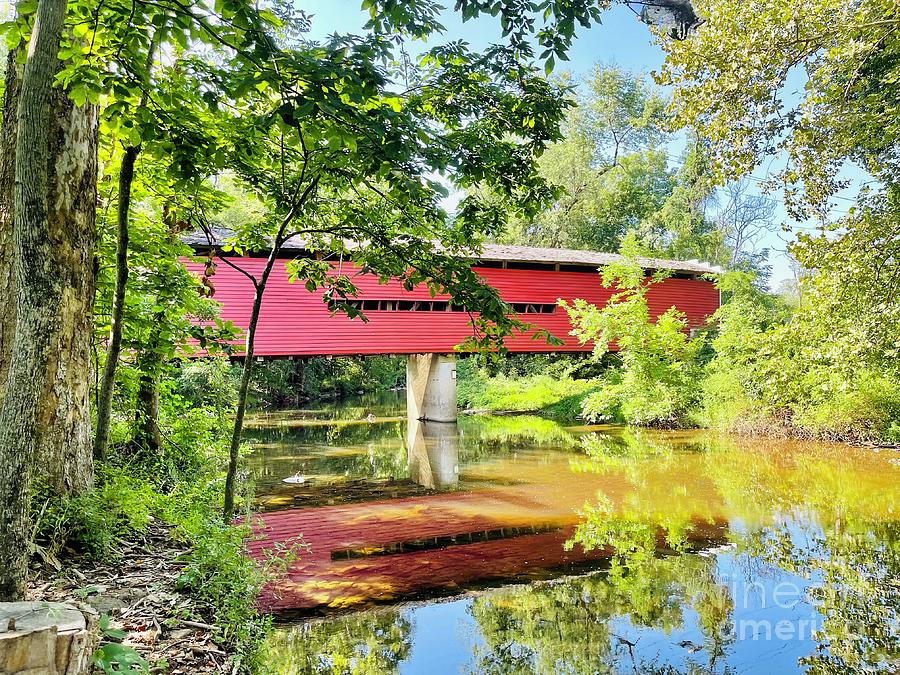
[295, 322]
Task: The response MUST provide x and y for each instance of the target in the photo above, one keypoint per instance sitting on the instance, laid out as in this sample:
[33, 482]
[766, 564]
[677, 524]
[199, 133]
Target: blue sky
[620, 38]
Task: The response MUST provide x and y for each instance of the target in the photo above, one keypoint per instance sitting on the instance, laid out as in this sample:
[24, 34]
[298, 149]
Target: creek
[518, 544]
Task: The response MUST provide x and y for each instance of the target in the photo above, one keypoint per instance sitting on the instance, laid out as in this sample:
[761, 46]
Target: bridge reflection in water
[812, 531]
[509, 522]
[433, 449]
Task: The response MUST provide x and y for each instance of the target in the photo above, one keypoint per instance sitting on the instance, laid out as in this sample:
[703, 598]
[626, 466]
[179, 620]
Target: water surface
[606, 549]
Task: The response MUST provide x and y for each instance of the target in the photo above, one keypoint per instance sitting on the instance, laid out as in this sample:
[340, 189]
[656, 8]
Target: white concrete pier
[431, 387]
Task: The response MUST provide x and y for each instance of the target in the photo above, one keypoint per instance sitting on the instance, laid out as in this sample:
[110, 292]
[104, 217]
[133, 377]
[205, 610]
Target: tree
[656, 383]
[62, 462]
[621, 113]
[608, 167]
[123, 215]
[48, 415]
[832, 369]
[343, 157]
[681, 228]
[744, 218]
[152, 111]
[730, 82]
[38, 287]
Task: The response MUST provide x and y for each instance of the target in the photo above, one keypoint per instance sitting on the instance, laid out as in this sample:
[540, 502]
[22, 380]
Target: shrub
[207, 383]
[656, 384]
[119, 505]
[217, 573]
[797, 377]
[864, 408]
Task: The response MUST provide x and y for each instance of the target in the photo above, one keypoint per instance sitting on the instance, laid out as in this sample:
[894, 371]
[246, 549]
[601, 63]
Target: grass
[559, 397]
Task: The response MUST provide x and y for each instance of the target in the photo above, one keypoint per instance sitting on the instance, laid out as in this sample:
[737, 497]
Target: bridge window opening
[587, 269]
[435, 306]
[533, 308]
[513, 265]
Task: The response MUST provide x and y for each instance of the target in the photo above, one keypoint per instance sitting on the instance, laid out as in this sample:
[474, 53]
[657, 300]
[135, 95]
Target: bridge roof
[569, 256]
[498, 253]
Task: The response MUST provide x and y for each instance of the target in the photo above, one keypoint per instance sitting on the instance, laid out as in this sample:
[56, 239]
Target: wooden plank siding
[295, 322]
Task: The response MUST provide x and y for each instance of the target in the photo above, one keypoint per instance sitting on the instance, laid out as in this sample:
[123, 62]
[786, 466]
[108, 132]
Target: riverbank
[552, 395]
[563, 397]
[147, 614]
[166, 575]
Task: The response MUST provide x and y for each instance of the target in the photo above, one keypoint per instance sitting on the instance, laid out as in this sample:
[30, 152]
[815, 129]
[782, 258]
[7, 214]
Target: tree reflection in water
[368, 643]
[830, 523]
[573, 626]
[822, 517]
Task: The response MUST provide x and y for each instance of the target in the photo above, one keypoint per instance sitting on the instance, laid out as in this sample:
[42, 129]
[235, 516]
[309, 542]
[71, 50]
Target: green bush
[656, 383]
[724, 403]
[119, 505]
[581, 366]
[797, 376]
[217, 572]
[865, 408]
[207, 383]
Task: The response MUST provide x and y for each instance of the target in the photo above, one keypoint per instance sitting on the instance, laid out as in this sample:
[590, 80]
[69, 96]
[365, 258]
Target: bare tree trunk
[39, 291]
[237, 431]
[66, 459]
[7, 182]
[108, 379]
[259, 286]
[147, 434]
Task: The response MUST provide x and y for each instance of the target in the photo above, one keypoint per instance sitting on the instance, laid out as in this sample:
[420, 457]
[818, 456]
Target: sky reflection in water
[805, 575]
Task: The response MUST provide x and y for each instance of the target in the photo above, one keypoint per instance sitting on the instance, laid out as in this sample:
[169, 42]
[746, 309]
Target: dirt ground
[136, 589]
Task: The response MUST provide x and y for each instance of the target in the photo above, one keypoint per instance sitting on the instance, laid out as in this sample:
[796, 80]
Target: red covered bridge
[294, 322]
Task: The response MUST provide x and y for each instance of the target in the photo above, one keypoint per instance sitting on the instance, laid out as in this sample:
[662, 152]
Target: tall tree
[344, 158]
[114, 346]
[733, 81]
[44, 418]
[38, 293]
[681, 228]
[611, 167]
[833, 368]
[71, 140]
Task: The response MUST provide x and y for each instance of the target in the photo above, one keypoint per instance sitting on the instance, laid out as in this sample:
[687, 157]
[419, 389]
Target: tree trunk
[108, 379]
[71, 140]
[259, 286]
[66, 458]
[147, 435]
[7, 182]
[237, 432]
[38, 294]
[238, 429]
